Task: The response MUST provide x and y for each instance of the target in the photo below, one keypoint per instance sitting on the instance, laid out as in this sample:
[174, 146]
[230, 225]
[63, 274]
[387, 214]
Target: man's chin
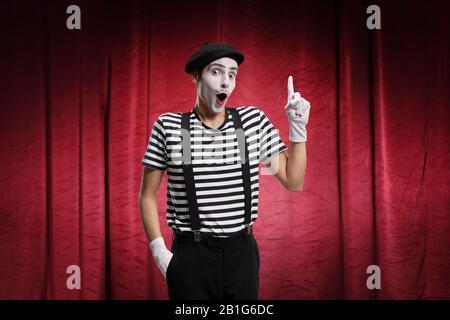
[218, 108]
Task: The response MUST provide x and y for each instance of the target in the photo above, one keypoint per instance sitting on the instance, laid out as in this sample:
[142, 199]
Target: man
[212, 155]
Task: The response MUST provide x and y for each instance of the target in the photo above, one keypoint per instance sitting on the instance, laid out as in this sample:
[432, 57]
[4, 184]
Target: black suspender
[243, 149]
[189, 173]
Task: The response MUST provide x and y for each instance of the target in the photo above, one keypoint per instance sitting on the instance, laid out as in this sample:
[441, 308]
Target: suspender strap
[189, 174]
[243, 149]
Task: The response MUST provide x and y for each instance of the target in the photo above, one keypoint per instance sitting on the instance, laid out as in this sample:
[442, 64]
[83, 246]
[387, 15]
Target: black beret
[210, 52]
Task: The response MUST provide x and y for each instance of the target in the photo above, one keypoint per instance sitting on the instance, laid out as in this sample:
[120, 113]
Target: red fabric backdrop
[77, 108]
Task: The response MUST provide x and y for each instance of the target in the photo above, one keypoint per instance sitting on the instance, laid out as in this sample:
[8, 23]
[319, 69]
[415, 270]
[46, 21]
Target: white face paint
[218, 80]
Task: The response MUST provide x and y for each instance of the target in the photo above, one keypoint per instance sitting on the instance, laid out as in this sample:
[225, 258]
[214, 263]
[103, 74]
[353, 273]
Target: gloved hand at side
[161, 254]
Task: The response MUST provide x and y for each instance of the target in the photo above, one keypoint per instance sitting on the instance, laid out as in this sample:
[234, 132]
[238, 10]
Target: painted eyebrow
[221, 65]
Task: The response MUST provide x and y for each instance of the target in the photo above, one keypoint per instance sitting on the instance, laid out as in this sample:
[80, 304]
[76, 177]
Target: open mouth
[221, 97]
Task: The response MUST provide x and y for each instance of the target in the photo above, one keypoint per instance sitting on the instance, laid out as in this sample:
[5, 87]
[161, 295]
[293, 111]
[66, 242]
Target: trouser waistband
[197, 237]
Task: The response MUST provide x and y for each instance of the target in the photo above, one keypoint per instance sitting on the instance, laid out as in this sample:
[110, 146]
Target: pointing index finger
[290, 88]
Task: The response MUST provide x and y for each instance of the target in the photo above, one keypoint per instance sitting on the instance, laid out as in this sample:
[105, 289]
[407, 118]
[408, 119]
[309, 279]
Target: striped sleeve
[156, 155]
[270, 143]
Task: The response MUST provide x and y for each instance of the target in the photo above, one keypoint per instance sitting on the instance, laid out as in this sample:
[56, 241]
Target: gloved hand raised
[161, 254]
[297, 110]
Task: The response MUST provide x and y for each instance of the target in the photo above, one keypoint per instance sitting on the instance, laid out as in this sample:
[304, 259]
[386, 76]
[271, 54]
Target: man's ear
[195, 77]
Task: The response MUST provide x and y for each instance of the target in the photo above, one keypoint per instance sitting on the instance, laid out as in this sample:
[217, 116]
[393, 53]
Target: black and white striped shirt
[216, 166]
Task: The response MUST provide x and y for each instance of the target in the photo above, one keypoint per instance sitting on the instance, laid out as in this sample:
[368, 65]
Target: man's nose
[225, 82]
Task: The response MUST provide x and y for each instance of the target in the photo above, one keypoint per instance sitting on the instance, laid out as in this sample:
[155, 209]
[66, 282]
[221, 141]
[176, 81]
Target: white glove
[297, 110]
[161, 254]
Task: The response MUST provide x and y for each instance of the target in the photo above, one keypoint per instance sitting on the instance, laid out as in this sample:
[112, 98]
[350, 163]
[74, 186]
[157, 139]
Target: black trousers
[214, 268]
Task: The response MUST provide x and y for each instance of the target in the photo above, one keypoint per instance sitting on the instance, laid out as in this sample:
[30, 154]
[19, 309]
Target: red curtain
[77, 107]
